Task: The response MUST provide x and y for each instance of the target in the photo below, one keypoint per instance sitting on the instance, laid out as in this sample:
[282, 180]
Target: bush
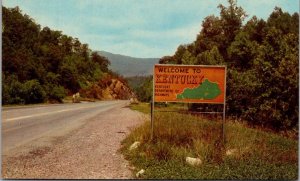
[56, 93]
[33, 92]
[144, 92]
[5, 94]
[12, 91]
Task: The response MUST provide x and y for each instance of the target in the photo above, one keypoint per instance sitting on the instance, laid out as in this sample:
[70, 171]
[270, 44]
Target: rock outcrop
[108, 90]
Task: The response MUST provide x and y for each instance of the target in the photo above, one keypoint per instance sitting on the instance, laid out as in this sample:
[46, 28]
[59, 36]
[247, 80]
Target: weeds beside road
[247, 154]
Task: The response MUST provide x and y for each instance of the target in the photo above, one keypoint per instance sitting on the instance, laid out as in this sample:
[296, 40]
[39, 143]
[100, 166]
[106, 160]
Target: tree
[277, 67]
[33, 92]
[166, 60]
[231, 19]
[19, 38]
[144, 91]
[241, 91]
[188, 58]
[11, 90]
[283, 21]
[44, 62]
[179, 54]
[255, 29]
[242, 51]
[69, 72]
[262, 62]
[210, 57]
[103, 62]
[212, 34]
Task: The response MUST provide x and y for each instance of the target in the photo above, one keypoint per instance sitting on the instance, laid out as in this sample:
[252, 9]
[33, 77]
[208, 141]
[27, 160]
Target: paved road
[24, 124]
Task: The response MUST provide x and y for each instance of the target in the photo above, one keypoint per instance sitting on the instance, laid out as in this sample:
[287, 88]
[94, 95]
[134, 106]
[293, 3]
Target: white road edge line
[35, 115]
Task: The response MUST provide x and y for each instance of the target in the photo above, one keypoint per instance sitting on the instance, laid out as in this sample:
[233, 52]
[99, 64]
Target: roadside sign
[189, 83]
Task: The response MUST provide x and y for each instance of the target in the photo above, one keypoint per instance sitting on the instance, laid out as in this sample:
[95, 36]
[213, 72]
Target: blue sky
[138, 28]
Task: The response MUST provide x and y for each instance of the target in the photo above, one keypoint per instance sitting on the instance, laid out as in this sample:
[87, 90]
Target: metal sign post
[152, 117]
[224, 109]
[223, 124]
[152, 105]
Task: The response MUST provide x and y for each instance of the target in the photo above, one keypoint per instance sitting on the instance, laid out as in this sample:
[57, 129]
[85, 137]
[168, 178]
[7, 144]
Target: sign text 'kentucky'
[189, 83]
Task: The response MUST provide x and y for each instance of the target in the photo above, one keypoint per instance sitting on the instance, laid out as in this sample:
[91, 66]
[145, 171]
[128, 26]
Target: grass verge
[142, 107]
[247, 154]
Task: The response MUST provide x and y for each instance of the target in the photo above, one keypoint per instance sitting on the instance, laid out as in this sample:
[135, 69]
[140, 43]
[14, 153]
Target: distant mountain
[130, 66]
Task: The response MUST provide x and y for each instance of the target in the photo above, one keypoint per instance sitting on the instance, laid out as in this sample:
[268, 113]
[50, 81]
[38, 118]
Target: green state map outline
[206, 90]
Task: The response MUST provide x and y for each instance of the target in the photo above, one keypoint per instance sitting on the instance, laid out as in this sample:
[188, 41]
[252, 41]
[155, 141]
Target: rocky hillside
[108, 89]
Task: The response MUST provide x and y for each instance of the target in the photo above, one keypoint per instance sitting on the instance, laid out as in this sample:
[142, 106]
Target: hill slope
[130, 66]
[43, 65]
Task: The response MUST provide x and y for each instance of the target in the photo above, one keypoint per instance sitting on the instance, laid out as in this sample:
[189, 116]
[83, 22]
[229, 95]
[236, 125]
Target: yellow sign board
[189, 83]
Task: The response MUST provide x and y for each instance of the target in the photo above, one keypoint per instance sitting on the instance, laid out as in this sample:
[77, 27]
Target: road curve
[25, 124]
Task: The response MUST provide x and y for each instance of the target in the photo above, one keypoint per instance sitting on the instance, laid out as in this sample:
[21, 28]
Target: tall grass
[254, 154]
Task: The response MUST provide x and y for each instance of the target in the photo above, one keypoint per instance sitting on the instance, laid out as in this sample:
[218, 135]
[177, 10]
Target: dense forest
[262, 63]
[142, 87]
[41, 65]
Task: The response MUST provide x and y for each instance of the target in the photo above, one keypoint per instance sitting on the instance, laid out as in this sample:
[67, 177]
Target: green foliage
[142, 87]
[15, 92]
[136, 81]
[211, 35]
[167, 60]
[262, 63]
[277, 67]
[12, 91]
[231, 19]
[33, 92]
[241, 86]
[255, 154]
[102, 61]
[70, 73]
[210, 57]
[56, 93]
[188, 58]
[142, 107]
[243, 51]
[43, 64]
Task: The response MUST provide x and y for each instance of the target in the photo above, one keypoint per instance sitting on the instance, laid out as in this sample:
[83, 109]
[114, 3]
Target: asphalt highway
[24, 124]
